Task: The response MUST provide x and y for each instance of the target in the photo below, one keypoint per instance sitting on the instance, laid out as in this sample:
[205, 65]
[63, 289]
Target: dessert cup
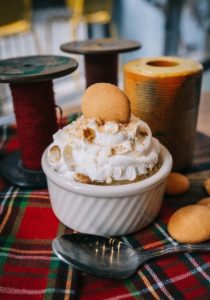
[107, 210]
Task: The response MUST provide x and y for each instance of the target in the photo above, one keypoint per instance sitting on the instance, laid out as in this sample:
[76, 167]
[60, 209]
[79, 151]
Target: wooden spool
[165, 93]
[101, 57]
[23, 73]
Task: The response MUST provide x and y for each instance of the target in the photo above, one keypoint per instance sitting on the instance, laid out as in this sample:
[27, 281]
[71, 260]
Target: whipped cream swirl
[104, 151]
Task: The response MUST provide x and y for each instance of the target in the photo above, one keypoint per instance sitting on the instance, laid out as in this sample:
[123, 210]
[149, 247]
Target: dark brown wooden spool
[101, 57]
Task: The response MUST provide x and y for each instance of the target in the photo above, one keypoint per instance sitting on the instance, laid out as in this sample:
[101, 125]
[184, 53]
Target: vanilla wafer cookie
[177, 184]
[190, 224]
[106, 102]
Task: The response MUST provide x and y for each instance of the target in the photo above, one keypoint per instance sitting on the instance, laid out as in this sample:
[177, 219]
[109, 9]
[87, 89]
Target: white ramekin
[107, 210]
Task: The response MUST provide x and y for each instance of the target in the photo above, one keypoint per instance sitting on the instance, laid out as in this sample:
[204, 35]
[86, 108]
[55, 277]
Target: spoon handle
[165, 250]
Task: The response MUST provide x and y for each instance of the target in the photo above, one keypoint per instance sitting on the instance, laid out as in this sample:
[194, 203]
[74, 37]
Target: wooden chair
[15, 17]
[91, 12]
[16, 22]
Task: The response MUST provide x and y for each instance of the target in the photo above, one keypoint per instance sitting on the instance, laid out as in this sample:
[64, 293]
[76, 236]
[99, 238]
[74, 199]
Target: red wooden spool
[30, 80]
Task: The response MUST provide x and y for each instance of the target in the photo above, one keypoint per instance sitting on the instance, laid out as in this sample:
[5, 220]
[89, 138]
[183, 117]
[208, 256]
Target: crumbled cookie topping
[89, 134]
[99, 122]
[82, 178]
[111, 152]
[123, 148]
[143, 133]
[109, 180]
[55, 152]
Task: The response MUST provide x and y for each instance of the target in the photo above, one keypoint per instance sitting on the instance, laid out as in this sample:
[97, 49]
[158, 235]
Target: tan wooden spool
[165, 92]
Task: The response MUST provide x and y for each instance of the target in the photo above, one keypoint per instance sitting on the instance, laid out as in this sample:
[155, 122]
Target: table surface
[30, 270]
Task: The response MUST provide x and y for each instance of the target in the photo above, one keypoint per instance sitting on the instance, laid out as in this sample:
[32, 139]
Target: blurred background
[163, 27]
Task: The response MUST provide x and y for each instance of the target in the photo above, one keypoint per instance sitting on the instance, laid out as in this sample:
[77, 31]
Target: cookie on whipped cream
[106, 102]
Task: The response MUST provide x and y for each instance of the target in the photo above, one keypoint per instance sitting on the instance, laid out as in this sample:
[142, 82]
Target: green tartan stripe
[17, 212]
[201, 275]
[21, 197]
[12, 224]
[7, 243]
[132, 289]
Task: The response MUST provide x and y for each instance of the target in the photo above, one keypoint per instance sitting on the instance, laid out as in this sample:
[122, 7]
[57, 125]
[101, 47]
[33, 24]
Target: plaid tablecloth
[30, 270]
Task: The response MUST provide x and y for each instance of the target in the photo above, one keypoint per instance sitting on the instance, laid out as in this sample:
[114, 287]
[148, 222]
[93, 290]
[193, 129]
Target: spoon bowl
[110, 257]
[102, 256]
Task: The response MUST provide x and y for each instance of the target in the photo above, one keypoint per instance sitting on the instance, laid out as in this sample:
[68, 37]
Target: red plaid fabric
[30, 270]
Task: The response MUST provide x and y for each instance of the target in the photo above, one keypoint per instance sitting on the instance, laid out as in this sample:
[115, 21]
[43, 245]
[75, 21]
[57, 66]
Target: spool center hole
[162, 63]
[28, 65]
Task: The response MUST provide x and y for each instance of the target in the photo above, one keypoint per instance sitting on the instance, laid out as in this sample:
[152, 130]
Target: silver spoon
[110, 257]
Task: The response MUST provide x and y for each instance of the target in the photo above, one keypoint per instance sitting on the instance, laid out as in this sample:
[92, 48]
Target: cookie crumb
[79, 177]
[55, 152]
[111, 152]
[99, 122]
[109, 180]
[89, 134]
[143, 133]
